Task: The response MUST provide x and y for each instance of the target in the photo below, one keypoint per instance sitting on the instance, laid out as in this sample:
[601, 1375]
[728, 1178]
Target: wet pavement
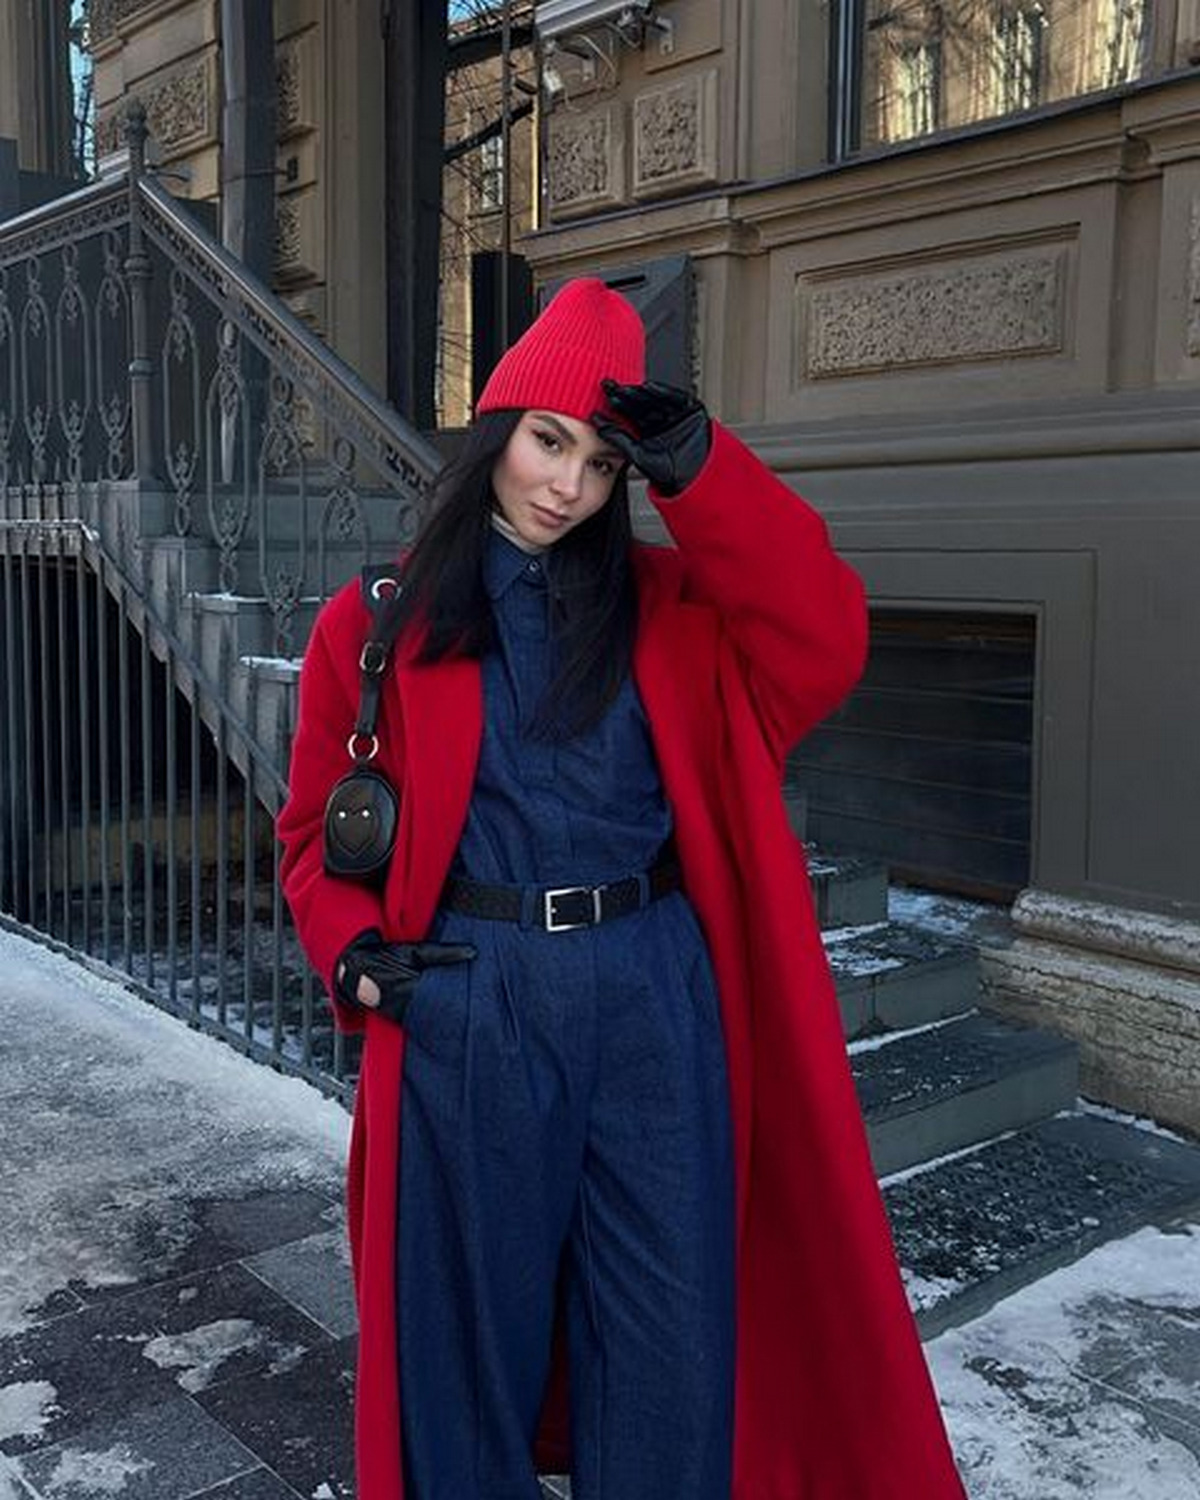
[176, 1318]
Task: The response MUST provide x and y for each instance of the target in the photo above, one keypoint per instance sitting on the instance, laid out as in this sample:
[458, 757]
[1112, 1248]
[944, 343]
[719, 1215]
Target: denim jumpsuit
[565, 1127]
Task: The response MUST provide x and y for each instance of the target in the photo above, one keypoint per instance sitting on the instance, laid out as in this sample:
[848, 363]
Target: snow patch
[9, 1489]
[1038, 1394]
[100, 1072]
[201, 1352]
[874, 1043]
[1138, 1122]
[93, 1474]
[26, 1407]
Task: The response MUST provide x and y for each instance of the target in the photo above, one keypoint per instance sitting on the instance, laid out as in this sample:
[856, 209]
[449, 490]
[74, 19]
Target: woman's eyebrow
[568, 437]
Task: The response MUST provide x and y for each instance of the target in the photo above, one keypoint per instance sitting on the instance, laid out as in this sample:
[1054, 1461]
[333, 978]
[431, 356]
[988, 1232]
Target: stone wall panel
[675, 136]
[995, 306]
[585, 167]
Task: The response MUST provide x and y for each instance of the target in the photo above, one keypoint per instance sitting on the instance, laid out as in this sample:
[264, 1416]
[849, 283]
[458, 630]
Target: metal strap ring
[355, 738]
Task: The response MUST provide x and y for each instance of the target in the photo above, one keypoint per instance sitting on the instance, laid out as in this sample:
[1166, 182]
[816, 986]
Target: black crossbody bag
[363, 809]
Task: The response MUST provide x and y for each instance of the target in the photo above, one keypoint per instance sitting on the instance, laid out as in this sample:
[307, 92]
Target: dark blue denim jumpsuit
[565, 1115]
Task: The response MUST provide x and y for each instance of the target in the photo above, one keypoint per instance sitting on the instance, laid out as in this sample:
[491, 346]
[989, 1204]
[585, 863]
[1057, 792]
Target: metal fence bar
[222, 873]
[172, 843]
[12, 766]
[249, 833]
[64, 760]
[44, 700]
[27, 685]
[85, 752]
[194, 793]
[276, 950]
[104, 759]
[126, 783]
[147, 769]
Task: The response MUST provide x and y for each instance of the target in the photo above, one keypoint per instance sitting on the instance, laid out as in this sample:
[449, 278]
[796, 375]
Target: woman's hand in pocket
[382, 976]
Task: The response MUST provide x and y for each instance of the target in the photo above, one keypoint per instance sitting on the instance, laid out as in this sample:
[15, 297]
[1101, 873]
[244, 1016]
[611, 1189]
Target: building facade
[940, 266]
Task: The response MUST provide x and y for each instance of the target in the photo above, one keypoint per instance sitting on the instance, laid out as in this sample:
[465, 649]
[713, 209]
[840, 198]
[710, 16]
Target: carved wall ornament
[104, 17]
[294, 82]
[288, 254]
[996, 307]
[674, 135]
[585, 160]
[1193, 328]
[181, 109]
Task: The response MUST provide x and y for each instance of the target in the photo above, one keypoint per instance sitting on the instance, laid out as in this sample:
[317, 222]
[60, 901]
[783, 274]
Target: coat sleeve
[794, 612]
[329, 913]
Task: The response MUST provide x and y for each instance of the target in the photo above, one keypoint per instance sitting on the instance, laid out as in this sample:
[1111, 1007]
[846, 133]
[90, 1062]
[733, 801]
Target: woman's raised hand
[671, 431]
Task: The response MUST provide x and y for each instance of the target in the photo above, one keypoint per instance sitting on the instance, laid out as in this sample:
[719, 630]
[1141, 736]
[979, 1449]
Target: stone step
[192, 565]
[890, 975]
[849, 891]
[972, 1229]
[943, 1087]
[247, 623]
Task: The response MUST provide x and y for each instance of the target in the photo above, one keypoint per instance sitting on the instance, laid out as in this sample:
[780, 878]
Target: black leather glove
[394, 967]
[672, 432]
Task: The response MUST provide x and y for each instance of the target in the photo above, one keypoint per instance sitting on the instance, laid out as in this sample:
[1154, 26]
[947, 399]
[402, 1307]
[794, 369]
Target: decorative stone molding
[998, 306]
[675, 136]
[297, 256]
[287, 237]
[105, 16]
[181, 109]
[1193, 328]
[585, 167]
[1124, 984]
[294, 86]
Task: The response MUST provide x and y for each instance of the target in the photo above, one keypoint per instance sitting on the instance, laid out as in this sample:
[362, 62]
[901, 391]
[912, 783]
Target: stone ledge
[1147, 937]
[1137, 1022]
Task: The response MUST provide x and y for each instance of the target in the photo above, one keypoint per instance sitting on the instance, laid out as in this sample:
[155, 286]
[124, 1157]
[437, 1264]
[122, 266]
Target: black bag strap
[381, 586]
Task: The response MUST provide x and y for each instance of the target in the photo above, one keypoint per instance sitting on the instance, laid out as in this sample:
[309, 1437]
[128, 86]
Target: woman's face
[555, 471]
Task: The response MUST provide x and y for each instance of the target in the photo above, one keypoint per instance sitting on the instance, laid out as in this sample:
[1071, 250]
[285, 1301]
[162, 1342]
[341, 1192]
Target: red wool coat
[749, 634]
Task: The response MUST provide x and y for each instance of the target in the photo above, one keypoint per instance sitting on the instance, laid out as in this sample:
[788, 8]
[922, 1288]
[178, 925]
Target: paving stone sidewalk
[175, 1311]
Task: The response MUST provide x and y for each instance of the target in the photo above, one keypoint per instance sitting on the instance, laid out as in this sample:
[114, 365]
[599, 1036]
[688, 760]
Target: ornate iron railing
[133, 346]
[157, 402]
[132, 824]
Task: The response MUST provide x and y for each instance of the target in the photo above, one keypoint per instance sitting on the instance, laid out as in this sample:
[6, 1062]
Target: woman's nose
[568, 480]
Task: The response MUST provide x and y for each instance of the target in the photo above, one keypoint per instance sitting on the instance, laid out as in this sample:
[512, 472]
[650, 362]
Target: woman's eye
[604, 467]
[547, 440]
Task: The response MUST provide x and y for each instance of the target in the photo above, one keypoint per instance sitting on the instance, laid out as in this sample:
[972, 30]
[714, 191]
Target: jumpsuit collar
[504, 562]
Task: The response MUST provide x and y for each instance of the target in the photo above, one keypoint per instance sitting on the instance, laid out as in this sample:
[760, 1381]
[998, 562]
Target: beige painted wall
[329, 261]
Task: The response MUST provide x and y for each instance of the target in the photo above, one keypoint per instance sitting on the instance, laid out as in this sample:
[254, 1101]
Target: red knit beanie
[587, 333]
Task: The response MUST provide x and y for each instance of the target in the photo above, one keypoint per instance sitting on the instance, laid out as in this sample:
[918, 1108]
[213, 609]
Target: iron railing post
[137, 272]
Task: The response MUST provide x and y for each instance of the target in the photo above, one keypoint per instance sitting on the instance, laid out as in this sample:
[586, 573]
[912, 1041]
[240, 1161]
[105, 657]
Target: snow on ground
[199, 1354]
[25, 1408]
[1085, 1383]
[115, 1119]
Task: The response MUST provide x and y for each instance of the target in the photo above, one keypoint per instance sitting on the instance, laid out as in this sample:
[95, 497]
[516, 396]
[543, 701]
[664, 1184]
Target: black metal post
[137, 272]
[415, 50]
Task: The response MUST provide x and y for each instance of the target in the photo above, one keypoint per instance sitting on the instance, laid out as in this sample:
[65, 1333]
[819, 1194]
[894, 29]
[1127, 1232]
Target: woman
[605, 1129]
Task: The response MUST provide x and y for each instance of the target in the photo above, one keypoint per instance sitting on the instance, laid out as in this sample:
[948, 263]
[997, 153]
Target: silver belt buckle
[548, 897]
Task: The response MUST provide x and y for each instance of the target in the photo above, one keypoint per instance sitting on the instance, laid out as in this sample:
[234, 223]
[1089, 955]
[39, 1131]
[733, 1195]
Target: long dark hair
[593, 595]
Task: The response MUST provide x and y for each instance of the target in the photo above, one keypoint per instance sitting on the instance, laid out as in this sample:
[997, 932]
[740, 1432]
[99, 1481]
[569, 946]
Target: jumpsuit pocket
[438, 1010]
[695, 967]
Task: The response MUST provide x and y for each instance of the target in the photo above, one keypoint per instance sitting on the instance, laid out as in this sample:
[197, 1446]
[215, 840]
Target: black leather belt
[564, 907]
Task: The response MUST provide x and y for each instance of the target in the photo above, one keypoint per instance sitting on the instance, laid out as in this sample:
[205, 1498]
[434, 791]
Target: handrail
[398, 450]
[44, 228]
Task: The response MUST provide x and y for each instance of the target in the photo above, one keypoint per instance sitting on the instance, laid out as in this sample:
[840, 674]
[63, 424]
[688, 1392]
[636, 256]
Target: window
[1017, 60]
[491, 174]
[917, 72]
[902, 69]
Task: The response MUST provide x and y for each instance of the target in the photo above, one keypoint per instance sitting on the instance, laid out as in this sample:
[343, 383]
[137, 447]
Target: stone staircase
[994, 1171]
[231, 633]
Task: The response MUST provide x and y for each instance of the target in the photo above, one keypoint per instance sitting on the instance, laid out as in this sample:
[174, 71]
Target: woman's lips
[549, 517]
